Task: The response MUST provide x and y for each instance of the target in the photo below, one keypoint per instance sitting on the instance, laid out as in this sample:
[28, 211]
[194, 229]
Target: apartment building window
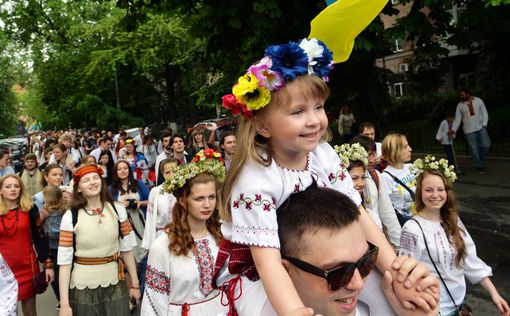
[395, 2]
[398, 89]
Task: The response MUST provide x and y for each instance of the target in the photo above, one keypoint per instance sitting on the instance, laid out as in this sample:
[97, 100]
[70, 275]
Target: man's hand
[414, 285]
[389, 292]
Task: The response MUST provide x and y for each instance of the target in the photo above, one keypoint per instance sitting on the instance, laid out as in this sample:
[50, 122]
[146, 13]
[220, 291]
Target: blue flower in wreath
[323, 64]
[289, 60]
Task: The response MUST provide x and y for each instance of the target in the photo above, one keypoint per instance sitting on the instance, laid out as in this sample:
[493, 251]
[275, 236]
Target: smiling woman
[91, 273]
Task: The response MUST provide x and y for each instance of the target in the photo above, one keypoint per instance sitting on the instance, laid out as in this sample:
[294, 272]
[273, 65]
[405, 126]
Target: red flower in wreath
[230, 102]
[208, 153]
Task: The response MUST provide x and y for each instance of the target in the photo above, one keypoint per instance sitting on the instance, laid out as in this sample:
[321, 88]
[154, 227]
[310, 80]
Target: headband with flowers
[430, 163]
[206, 160]
[281, 63]
[354, 152]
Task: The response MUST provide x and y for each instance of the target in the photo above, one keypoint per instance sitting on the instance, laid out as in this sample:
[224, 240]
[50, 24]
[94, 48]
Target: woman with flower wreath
[375, 196]
[437, 237]
[282, 149]
[181, 261]
[95, 244]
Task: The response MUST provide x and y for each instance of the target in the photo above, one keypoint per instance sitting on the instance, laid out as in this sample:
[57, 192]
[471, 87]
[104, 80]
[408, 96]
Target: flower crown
[206, 160]
[281, 63]
[354, 152]
[430, 163]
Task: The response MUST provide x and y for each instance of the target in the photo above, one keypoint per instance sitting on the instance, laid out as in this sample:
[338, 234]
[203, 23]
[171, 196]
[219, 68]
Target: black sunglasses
[339, 277]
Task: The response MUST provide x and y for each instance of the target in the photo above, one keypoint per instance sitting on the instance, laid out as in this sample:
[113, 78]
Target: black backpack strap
[397, 180]
[74, 217]
[118, 219]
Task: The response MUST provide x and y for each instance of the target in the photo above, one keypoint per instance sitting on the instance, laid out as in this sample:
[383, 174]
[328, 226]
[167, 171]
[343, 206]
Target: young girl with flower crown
[281, 150]
[437, 237]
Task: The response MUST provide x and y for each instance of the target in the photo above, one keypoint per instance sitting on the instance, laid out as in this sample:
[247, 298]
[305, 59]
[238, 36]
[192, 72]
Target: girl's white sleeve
[156, 296]
[65, 242]
[388, 215]
[412, 243]
[149, 231]
[128, 239]
[253, 204]
[474, 267]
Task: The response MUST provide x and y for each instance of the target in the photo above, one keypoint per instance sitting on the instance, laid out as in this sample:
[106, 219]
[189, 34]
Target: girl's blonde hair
[252, 146]
[24, 200]
[449, 215]
[392, 145]
[53, 199]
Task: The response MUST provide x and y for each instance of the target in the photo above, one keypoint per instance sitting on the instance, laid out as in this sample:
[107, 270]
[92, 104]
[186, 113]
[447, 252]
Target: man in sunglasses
[327, 255]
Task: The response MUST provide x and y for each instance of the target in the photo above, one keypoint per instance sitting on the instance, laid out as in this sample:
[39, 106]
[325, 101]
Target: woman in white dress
[437, 237]
[181, 261]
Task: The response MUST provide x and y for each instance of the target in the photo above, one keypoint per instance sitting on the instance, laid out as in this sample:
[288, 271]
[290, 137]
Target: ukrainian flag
[339, 24]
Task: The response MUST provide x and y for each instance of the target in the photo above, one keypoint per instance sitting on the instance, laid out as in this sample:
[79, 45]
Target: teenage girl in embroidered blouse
[180, 268]
[92, 245]
[281, 150]
[446, 235]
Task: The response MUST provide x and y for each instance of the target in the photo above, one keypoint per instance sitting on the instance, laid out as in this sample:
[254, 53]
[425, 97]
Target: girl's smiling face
[294, 129]
[433, 192]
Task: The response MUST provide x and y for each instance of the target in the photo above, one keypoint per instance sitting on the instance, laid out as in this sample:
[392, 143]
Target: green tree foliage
[8, 108]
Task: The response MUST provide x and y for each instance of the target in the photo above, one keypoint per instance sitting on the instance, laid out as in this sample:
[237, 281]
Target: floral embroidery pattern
[205, 262]
[157, 280]
[339, 174]
[257, 201]
[255, 230]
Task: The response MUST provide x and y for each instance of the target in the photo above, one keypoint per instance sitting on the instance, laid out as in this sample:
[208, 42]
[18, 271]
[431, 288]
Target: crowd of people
[271, 220]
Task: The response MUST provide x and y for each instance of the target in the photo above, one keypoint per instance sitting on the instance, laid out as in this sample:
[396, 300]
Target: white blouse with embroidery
[94, 239]
[443, 253]
[260, 190]
[172, 281]
[8, 289]
[256, 195]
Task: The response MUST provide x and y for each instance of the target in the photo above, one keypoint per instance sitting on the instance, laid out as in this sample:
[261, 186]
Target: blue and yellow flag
[340, 23]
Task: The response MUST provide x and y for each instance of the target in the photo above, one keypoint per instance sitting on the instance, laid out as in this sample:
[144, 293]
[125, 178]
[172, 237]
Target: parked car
[219, 125]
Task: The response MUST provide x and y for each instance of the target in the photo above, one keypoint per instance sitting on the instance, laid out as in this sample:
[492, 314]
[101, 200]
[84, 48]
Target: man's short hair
[363, 126]
[310, 210]
[366, 142]
[177, 136]
[3, 151]
[224, 135]
[164, 135]
[465, 90]
[30, 156]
